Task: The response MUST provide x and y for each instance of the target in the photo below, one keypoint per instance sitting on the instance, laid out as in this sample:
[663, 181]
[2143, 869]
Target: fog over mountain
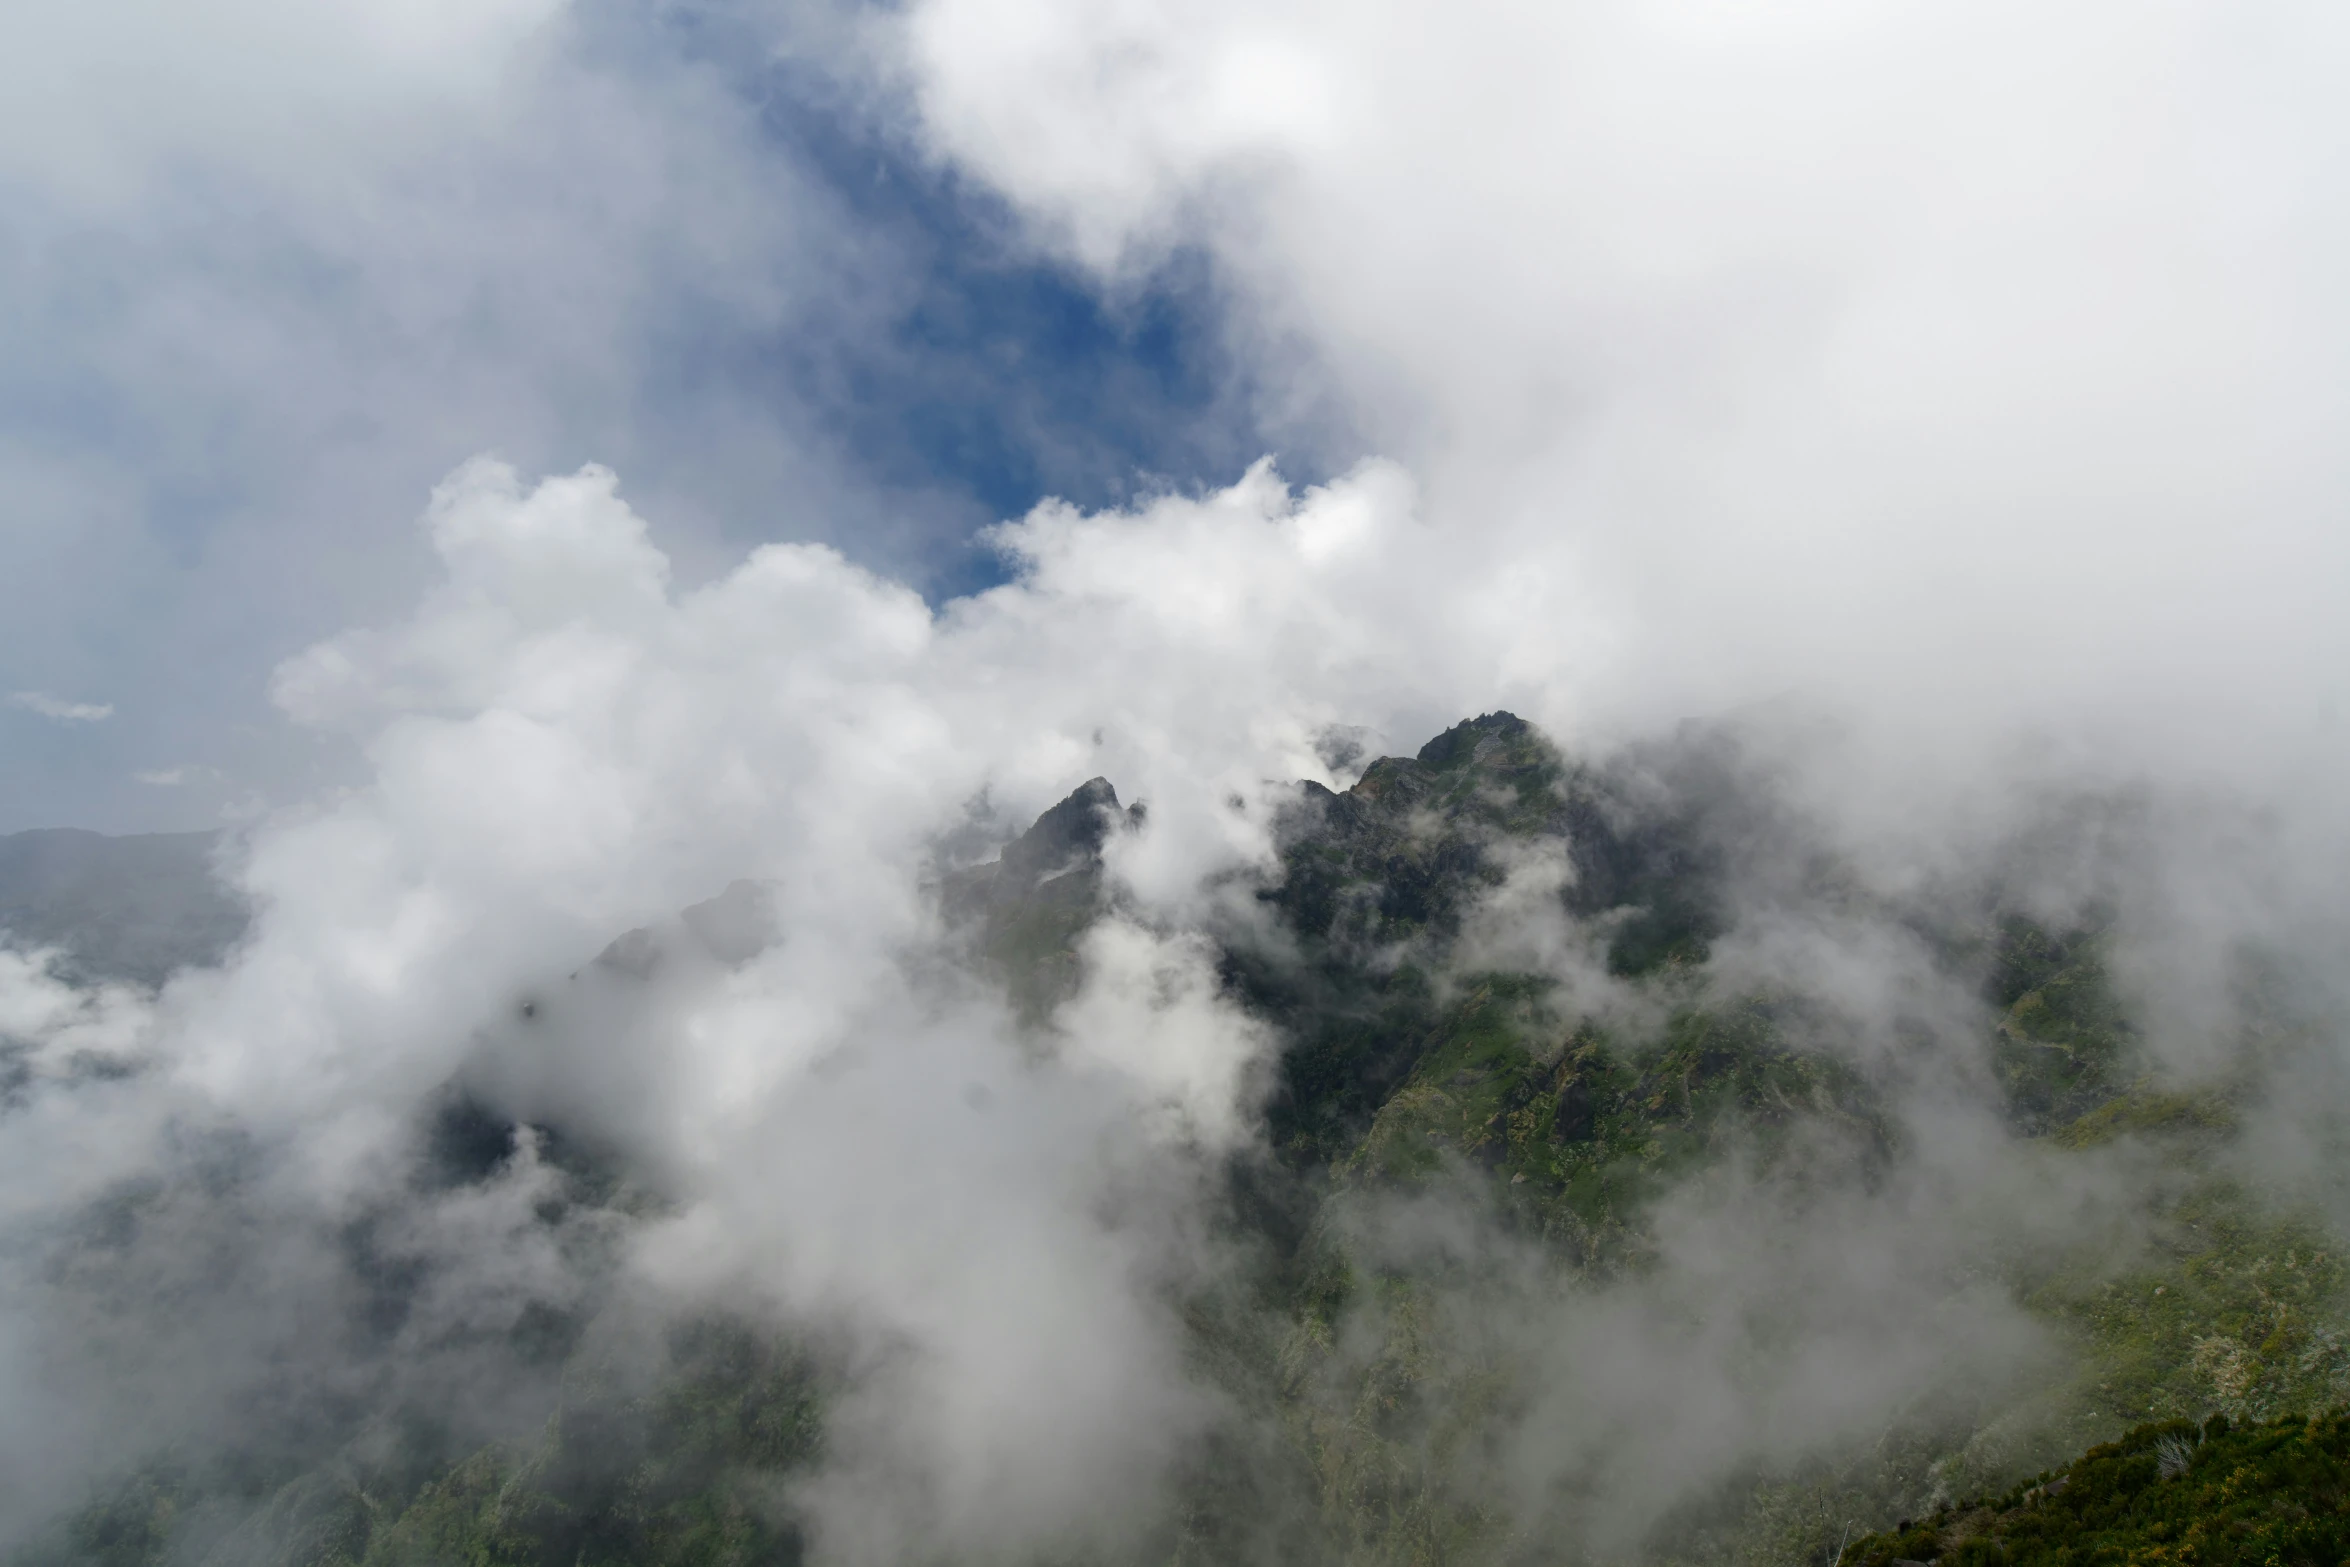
[1722, 930]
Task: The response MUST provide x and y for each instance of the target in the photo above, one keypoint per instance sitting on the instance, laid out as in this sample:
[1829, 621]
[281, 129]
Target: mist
[1885, 462]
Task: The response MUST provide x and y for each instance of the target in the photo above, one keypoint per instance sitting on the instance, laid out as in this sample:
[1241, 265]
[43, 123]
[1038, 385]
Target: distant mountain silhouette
[132, 908]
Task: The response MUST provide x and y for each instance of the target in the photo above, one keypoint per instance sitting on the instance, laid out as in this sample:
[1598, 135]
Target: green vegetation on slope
[1413, 1069]
[2273, 1494]
[685, 1475]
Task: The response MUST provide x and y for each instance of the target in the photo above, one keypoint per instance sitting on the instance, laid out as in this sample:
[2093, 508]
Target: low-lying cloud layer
[563, 748]
[842, 1127]
[1942, 401]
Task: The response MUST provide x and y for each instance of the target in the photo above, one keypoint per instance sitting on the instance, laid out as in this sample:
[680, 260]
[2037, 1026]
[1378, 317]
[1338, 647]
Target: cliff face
[1023, 911]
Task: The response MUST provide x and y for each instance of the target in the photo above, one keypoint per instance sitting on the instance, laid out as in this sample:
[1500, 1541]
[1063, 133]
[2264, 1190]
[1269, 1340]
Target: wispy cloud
[64, 712]
[177, 776]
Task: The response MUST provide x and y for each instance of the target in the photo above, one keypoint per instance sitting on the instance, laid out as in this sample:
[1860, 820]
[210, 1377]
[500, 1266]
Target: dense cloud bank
[288, 1192]
[1973, 365]
[272, 271]
[1936, 409]
[565, 748]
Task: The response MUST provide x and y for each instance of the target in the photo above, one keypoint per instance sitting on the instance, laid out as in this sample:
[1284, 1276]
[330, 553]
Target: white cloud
[96, 100]
[1956, 387]
[177, 777]
[339, 248]
[564, 743]
[59, 1024]
[1960, 369]
[58, 708]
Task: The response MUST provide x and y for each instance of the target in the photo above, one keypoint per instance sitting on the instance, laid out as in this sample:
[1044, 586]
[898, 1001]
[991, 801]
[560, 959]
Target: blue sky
[1765, 350]
[229, 376]
[1944, 399]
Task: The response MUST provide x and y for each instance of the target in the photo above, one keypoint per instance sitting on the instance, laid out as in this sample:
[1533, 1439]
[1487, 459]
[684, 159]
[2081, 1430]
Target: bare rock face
[1024, 910]
[1066, 840]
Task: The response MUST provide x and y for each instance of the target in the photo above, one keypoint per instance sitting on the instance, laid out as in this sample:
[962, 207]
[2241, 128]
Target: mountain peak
[1474, 738]
[1071, 831]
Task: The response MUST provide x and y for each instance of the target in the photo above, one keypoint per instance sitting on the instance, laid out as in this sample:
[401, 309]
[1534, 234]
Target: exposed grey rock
[1025, 909]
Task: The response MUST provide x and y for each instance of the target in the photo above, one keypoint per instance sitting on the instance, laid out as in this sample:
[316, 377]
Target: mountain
[2215, 1494]
[1024, 910]
[132, 908]
[1513, 1008]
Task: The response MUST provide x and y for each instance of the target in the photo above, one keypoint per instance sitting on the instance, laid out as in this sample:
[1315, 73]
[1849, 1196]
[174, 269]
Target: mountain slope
[2216, 1495]
[1524, 1059]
